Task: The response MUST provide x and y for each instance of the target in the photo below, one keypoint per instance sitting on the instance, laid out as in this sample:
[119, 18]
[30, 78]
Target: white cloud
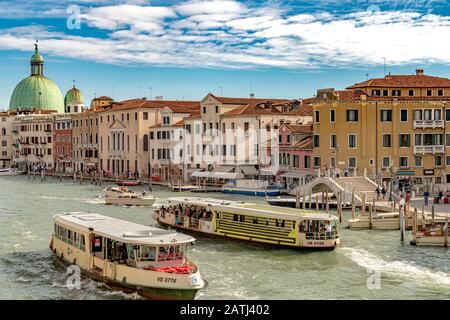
[227, 34]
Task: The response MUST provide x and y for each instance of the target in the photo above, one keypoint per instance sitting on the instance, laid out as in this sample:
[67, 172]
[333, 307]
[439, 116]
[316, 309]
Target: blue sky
[185, 49]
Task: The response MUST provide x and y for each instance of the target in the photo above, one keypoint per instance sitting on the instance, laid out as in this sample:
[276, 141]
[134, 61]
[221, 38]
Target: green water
[233, 270]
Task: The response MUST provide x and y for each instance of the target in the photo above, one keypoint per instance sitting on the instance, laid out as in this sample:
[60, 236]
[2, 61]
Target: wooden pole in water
[415, 221]
[317, 202]
[363, 209]
[310, 200]
[402, 225]
[322, 207]
[304, 201]
[446, 233]
[432, 215]
[353, 205]
[297, 199]
[339, 205]
[327, 202]
[370, 216]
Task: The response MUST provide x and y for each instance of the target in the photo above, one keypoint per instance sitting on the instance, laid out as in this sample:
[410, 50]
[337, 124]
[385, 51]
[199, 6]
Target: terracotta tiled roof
[270, 107]
[243, 101]
[300, 129]
[103, 98]
[305, 144]
[175, 106]
[404, 81]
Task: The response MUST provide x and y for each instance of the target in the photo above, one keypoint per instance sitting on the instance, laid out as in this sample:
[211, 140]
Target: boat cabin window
[175, 252]
[116, 251]
[255, 220]
[72, 238]
[147, 253]
[235, 217]
[319, 229]
[241, 218]
[280, 223]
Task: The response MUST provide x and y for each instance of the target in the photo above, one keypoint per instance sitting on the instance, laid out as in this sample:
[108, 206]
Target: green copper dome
[37, 91]
[74, 96]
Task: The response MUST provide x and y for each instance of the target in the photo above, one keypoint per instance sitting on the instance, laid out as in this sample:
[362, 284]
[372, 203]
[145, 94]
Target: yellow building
[394, 126]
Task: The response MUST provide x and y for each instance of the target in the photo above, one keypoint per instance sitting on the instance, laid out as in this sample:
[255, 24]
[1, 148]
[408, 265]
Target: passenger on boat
[328, 228]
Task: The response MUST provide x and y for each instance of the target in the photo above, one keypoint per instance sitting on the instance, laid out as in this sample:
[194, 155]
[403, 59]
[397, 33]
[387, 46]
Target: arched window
[4, 131]
[145, 142]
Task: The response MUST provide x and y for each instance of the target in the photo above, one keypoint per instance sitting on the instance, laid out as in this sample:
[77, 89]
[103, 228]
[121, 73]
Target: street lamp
[336, 151]
[392, 172]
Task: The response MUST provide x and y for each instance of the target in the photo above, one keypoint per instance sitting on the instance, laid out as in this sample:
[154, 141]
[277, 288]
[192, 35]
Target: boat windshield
[319, 229]
[173, 252]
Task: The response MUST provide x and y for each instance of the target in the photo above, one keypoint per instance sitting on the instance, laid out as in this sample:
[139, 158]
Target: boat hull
[146, 292]
[128, 183]
[377, 224]
[201, 234]
[130, 202]
[10, 174]
[248, 192]
[436, 241]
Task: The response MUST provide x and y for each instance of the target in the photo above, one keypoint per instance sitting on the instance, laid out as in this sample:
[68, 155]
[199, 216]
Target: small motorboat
[126, 197]
[128, 183]
[10, 172]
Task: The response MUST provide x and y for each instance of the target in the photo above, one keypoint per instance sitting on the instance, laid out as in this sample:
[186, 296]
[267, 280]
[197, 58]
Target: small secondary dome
[74, 96]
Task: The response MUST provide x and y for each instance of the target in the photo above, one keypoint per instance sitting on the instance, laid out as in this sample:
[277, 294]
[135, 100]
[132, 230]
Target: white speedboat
[126, 197]
[127, 256]
[10, 172]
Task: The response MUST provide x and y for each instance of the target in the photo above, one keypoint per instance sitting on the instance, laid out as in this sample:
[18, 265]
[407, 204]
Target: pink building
[295, 151]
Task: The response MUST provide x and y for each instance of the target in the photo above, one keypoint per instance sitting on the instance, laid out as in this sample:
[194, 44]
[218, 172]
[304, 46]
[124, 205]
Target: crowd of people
[193, 213]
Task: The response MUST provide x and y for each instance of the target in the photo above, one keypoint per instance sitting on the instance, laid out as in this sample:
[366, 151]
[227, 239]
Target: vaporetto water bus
[278, 226]
[127, 256]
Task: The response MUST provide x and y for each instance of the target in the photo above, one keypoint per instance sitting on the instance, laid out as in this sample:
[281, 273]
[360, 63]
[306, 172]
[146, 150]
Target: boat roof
[120, 230]
[254, 208]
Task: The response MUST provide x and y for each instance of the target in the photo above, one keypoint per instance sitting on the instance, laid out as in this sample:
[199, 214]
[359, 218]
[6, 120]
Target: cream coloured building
[124, 134]
[233, 134]
[6, 138]
[33, 140]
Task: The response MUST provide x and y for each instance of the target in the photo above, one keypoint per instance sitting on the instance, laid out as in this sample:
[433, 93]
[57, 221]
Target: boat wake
[84, 200]
[397, 269]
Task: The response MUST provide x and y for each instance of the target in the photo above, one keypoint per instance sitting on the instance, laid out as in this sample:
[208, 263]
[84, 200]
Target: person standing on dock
[377, 191]
[383, 192]
[401, 203]
[426, 196]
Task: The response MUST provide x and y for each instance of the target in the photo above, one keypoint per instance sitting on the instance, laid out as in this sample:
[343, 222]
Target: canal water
[233, 270]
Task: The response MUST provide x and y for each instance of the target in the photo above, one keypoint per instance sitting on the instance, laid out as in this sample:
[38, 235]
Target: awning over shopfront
[269, 171]
[405, 173]
[249, 170]
[296, 174]
[224, 169]
[217, 175]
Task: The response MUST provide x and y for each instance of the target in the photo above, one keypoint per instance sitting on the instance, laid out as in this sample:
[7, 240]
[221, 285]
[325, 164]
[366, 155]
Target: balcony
[424, 124]
[429, 149]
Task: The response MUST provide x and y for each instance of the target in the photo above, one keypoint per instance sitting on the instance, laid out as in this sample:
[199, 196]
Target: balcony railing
[429, 149]
[422, 124]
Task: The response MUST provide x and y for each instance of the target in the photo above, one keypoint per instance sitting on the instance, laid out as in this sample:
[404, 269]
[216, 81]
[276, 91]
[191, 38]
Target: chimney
[252, 96]
[159, 98]
[419, 72]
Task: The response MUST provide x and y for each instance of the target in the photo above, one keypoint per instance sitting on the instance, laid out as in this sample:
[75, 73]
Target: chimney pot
[420, 72]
